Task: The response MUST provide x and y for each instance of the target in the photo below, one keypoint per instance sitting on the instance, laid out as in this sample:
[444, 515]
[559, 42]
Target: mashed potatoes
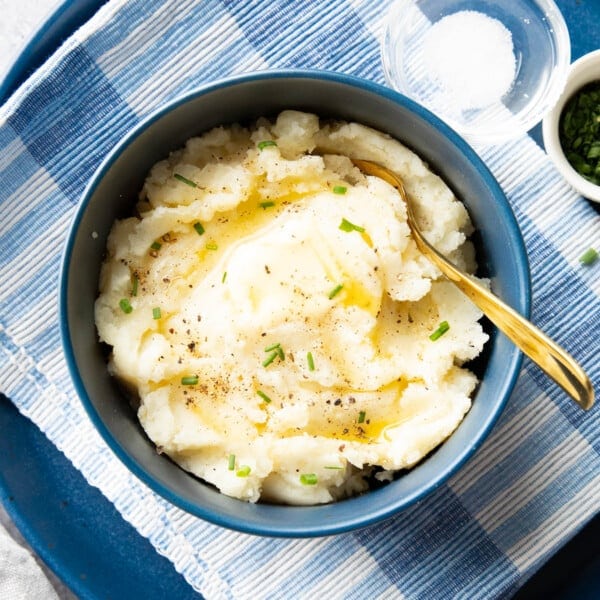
[273, 314]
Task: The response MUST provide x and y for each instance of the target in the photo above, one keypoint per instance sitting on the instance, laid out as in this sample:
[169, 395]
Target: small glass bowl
[540, 45]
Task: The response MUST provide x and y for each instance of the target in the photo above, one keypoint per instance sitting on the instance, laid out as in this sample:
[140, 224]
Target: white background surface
[19, 20]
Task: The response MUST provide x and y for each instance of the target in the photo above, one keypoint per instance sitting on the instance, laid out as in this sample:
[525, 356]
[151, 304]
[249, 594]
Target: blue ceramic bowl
[112, 193]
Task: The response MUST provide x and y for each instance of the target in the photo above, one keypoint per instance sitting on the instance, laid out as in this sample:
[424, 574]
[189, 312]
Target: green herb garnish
[267, 204]
[339, 189]
[125, 305]
[589, 257]
[243, 471]
[156, 312]
[156, 246]
[345, 225]
[308, 479]
[579, 131]
[265, 144]
[189, 380]
[212, 246]
[272, 347]
[440, 331]
[134, 286]
[270, 358]
[198, 227]
[231, 462]
[361, 416]
[275, 350]
[264, 396]
[336, 290]
[185, 180]
[310, 360]
[224, 277]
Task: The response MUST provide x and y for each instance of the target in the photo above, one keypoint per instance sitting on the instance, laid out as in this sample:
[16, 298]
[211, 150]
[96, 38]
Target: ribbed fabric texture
[533, 484]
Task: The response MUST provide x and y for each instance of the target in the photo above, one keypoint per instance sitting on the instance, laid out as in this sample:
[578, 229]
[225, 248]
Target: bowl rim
[551, 121]
[533, 112]
[280, 528]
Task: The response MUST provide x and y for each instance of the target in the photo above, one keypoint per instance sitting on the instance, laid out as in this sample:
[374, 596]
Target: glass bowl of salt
[490, 69]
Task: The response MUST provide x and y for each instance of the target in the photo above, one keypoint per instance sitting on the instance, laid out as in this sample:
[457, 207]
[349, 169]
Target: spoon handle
[548, 355]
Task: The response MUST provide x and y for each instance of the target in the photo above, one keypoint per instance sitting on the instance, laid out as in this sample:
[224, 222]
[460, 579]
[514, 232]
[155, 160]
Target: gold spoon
[550, 357]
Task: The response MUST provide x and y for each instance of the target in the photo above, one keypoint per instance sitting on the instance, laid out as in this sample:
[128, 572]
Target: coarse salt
[470, 56]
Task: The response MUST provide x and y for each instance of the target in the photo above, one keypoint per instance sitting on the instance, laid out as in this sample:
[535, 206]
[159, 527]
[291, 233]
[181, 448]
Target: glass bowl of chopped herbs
[572, 129]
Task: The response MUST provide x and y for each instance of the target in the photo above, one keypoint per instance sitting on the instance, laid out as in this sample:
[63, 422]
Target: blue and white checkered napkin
[531, 486]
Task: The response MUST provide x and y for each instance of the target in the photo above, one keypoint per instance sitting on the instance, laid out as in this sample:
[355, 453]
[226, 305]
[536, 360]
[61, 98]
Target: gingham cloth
[533, 484]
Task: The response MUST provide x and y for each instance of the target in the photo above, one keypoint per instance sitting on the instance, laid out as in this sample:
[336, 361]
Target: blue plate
[78, 532]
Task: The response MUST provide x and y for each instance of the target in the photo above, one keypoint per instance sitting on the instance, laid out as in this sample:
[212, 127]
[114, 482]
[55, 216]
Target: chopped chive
[134, 286]
[264, 396]
[440, 331]
[270, 358]
[275, 350]
[265, 144]
[231, 462]
[125, 305]
[310, 361]
[339, 189]
[333, 467]
[243, 471]
[184, 180]
[224, 277]
[308, 479]
[212, 246]
[345, 225]
[199, 228]
[361, 416]
[156, 312]
[336, 290]
[189, 380]
[272, 347]
[589, 257]
[267, 204]
[155, 245]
